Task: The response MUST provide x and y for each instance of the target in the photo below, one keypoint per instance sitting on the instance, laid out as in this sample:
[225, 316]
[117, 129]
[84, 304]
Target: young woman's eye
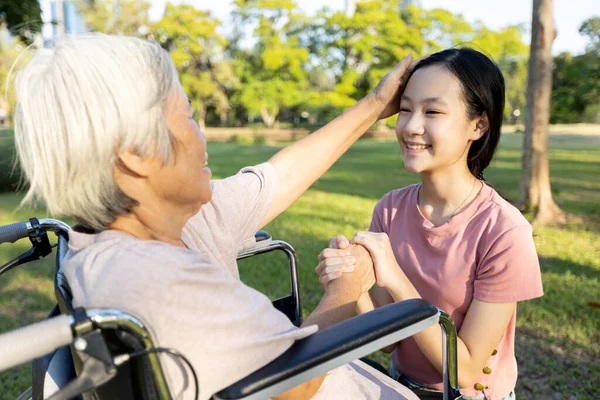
[433, 112]
[404, 109]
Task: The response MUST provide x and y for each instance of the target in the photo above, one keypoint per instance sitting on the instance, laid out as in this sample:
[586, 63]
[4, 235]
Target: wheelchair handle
[13, 232]
[19, 230]
[34, 341]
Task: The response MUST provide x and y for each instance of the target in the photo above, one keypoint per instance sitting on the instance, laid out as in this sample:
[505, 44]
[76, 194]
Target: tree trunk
[267, 118]
[202, 117]
[535, 173]
[59, 26]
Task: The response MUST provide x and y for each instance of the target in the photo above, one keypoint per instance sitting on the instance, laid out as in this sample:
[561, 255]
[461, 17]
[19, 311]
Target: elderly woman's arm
[299, 165]
[337, 305]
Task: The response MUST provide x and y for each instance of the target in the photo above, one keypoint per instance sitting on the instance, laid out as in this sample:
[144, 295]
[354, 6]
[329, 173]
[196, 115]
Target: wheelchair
[109, 354]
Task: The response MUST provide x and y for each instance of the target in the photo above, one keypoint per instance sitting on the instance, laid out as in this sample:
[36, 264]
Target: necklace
[463, 202]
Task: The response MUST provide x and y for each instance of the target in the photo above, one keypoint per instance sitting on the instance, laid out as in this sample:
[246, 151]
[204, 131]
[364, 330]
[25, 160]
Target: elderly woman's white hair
[78, 107]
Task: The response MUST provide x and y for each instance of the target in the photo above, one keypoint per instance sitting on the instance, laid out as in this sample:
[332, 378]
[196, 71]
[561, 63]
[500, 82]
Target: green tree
[273, 71]
[575, 99]
[23, 18]
[591, 28]
[437, 28]
[573, 96]
[197, 50]
[129, 17]
[507, 49]
[355, 51]
[360, 48]
[9, 53]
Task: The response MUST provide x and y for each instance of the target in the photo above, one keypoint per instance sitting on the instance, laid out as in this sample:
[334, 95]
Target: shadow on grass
[574, 180]
[555, 371]
[568, 267]
[563, 312]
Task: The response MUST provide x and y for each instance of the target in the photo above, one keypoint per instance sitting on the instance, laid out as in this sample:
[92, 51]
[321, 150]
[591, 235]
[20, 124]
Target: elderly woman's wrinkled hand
[387, 270]
[342, 257]
[389, 90]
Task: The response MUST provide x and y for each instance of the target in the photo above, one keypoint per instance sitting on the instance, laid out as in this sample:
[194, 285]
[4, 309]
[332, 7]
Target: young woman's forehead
[432, 82]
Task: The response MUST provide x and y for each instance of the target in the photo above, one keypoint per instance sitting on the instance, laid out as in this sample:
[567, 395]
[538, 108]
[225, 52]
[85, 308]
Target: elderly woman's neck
[165, 227]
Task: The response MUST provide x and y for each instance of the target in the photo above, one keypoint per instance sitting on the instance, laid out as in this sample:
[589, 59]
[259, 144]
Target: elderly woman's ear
[131, 163]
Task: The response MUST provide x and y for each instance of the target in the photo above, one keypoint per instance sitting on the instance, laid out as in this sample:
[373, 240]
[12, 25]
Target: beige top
[193, 300]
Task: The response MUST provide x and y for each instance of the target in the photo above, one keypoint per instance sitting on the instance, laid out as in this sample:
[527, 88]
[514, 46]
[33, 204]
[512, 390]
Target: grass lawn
[558, 337]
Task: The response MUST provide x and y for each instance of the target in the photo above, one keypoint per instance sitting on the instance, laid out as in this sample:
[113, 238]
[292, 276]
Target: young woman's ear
[482, 125]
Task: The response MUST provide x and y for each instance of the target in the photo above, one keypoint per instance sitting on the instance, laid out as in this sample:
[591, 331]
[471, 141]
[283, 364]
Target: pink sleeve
[510, 270]
[377, 219]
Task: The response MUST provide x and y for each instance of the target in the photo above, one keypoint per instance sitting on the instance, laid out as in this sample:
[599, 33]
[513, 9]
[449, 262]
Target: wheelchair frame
[289, 370]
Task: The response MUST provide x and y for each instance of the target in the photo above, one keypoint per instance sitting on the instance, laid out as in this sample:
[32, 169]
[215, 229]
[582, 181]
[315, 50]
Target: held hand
[389, 90]
[332, 264]
[380, 249]
[339, 242]
[354, 261]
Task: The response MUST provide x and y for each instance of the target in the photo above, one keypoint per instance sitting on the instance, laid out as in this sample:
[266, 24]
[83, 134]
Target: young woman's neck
[444, 193]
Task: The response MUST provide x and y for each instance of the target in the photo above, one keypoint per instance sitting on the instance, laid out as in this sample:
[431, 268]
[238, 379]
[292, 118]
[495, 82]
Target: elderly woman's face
[186, 177]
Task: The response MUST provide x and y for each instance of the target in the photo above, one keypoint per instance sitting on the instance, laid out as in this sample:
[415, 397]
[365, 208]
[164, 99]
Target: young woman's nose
[410, 124]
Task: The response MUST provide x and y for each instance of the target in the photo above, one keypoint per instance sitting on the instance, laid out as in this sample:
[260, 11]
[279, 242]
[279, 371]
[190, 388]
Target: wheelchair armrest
[262, 244]
[261, 236]
[335, 346]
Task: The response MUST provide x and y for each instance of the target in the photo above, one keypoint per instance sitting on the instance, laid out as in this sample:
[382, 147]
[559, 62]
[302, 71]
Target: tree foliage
[576, 81]
[9, 54]
[128, 17]
[277, 63]
[591, 28]
[576, 88]
[23, 18]
[197, 50]
[273, 71]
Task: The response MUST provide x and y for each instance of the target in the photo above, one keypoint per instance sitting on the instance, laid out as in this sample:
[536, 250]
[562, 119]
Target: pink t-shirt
[485, 252]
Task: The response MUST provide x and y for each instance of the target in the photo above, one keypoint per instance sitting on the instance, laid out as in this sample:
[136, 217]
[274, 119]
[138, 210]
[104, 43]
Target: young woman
[450, 239]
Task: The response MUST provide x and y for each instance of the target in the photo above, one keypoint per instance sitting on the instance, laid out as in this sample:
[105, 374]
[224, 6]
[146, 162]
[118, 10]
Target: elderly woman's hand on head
[389, 90]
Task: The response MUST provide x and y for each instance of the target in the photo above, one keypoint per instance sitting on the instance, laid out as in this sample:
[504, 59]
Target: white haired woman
[105, 135]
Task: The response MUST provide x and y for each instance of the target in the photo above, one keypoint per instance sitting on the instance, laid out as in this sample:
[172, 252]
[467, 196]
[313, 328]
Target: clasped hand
[368, 257]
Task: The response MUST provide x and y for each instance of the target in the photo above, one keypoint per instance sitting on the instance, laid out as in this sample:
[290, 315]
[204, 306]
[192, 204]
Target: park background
[270, 71]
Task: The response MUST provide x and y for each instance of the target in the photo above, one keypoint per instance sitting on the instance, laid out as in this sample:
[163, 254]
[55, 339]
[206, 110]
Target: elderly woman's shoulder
[153, 280]
[115, 258]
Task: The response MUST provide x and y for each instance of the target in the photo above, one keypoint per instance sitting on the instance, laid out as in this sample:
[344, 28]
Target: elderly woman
[105, 135]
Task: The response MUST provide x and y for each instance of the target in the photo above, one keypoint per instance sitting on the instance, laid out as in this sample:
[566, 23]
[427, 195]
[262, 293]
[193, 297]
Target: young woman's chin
[413, 168]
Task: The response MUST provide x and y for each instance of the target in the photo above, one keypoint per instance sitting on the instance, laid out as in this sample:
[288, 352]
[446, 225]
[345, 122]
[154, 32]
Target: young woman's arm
[377, 297]
[479, 334]
[482, 329]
